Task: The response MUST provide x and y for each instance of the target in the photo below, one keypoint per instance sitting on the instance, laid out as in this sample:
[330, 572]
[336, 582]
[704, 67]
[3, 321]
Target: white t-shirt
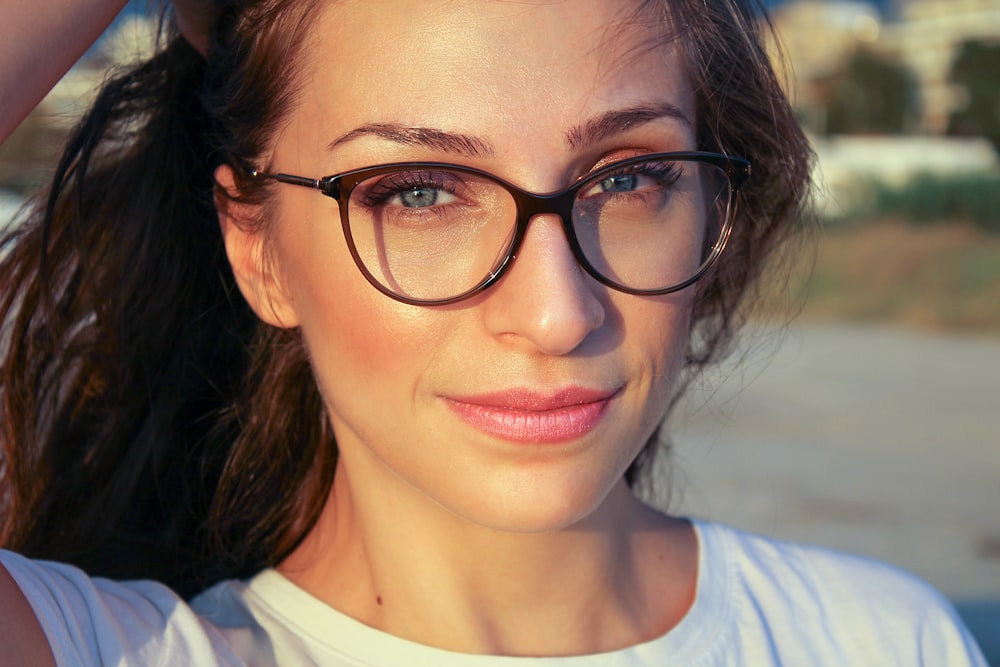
[758, 602]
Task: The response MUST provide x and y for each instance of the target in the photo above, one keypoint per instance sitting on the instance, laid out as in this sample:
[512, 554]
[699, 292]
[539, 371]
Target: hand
[195, 19]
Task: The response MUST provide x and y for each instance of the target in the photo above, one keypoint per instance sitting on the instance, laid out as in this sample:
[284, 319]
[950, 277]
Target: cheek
[361, 335]
[357, 337]
[657, 330]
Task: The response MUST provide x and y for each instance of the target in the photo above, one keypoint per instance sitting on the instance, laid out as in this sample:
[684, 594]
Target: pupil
[620, 183]
[419, 197]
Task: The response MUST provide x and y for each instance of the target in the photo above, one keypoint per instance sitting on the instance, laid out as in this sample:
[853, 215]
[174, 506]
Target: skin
[20, 633]
[435, 530]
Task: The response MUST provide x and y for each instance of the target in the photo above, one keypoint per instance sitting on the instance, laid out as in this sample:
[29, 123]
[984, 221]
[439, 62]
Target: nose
[545, 299]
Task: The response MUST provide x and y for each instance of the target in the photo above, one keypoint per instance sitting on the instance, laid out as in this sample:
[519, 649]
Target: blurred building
[818, 37]
[927, 38]
[818, 40]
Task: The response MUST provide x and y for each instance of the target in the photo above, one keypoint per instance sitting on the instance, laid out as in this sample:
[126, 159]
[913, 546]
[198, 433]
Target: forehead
[516, 72]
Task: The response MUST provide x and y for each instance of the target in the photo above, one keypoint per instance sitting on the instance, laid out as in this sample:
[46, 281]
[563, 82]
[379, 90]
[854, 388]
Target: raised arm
[39, 42]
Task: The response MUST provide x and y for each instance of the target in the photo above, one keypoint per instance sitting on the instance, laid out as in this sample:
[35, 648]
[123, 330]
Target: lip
[528, 416]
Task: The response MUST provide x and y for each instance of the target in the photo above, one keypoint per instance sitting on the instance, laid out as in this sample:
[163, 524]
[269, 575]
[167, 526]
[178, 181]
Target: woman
[413, 440]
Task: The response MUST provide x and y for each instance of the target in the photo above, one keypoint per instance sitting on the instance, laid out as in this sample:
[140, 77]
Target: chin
[545, 506]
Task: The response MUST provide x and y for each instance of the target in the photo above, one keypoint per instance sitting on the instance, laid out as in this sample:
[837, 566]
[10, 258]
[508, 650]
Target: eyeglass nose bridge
[529, 206]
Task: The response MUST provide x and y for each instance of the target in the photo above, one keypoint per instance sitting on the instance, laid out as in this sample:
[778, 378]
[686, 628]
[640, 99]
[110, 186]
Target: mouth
[522, 415]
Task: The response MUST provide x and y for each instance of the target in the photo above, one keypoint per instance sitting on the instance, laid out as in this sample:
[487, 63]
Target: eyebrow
[450, 142]
[618, 122]
[606, 125]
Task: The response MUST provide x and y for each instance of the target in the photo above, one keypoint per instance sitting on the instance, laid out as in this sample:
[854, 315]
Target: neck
[400, 563]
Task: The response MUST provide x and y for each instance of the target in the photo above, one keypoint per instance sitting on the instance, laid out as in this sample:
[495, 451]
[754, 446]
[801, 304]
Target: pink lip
[523, 415]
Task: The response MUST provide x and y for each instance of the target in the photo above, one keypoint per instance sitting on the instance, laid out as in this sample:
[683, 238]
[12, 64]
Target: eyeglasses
[428, 233]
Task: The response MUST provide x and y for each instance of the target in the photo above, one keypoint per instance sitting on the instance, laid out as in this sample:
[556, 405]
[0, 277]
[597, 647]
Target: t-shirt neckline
[338, 634]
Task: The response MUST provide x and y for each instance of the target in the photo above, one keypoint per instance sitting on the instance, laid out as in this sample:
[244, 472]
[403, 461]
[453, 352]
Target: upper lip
[532, 400]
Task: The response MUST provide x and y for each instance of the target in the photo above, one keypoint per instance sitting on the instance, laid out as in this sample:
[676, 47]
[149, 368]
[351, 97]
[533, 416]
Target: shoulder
[828, 607]
[816, 575]
[89, 620]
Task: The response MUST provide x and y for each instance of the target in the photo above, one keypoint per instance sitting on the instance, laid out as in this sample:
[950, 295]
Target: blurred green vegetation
[872, 95]
[928, 199]
[925, 199]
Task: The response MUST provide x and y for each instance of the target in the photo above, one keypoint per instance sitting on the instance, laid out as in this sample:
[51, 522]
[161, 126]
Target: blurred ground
[875, 440]
[940, 276]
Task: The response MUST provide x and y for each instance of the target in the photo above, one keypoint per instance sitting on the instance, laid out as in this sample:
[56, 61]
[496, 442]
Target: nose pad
[545, 298]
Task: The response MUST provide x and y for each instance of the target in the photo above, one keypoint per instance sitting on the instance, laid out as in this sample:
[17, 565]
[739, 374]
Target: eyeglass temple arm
[288, 178]
[314, 183]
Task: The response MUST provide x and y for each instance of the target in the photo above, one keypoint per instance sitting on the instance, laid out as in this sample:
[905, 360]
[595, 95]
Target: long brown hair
[741, 109]
[151, 425]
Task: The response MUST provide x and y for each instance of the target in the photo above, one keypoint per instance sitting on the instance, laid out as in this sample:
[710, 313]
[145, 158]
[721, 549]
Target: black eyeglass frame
[528, 206]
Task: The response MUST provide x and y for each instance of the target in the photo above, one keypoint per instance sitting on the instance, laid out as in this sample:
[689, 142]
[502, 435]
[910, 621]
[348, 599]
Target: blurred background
[871, 421]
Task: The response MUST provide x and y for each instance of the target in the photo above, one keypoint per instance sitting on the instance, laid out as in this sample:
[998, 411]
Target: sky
[883, 5]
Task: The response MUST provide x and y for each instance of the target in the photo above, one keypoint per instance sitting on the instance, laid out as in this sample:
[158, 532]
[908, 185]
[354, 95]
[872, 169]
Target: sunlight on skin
[408, 558]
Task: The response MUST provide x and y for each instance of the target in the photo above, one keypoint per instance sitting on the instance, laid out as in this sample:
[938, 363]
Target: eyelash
[661, 171]
[664, 173]
[378, 194]
[382, 191]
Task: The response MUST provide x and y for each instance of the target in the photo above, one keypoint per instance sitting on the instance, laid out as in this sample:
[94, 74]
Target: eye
[411, 190]
[422, 197]
[619, 183]
[635, 178]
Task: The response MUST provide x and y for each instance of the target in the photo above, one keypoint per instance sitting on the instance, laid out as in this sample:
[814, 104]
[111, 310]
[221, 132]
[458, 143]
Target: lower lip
[533, 426]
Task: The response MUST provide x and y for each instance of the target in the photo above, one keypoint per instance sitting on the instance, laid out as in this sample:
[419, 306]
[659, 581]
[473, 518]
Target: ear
[257, 276]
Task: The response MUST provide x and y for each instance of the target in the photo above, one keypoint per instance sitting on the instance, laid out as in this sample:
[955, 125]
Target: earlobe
[256, 275]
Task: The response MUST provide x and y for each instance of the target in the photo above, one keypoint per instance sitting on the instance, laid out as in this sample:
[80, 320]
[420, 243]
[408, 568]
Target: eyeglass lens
[430, 233]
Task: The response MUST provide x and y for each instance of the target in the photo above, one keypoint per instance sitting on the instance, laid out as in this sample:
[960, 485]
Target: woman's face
[520, 408]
